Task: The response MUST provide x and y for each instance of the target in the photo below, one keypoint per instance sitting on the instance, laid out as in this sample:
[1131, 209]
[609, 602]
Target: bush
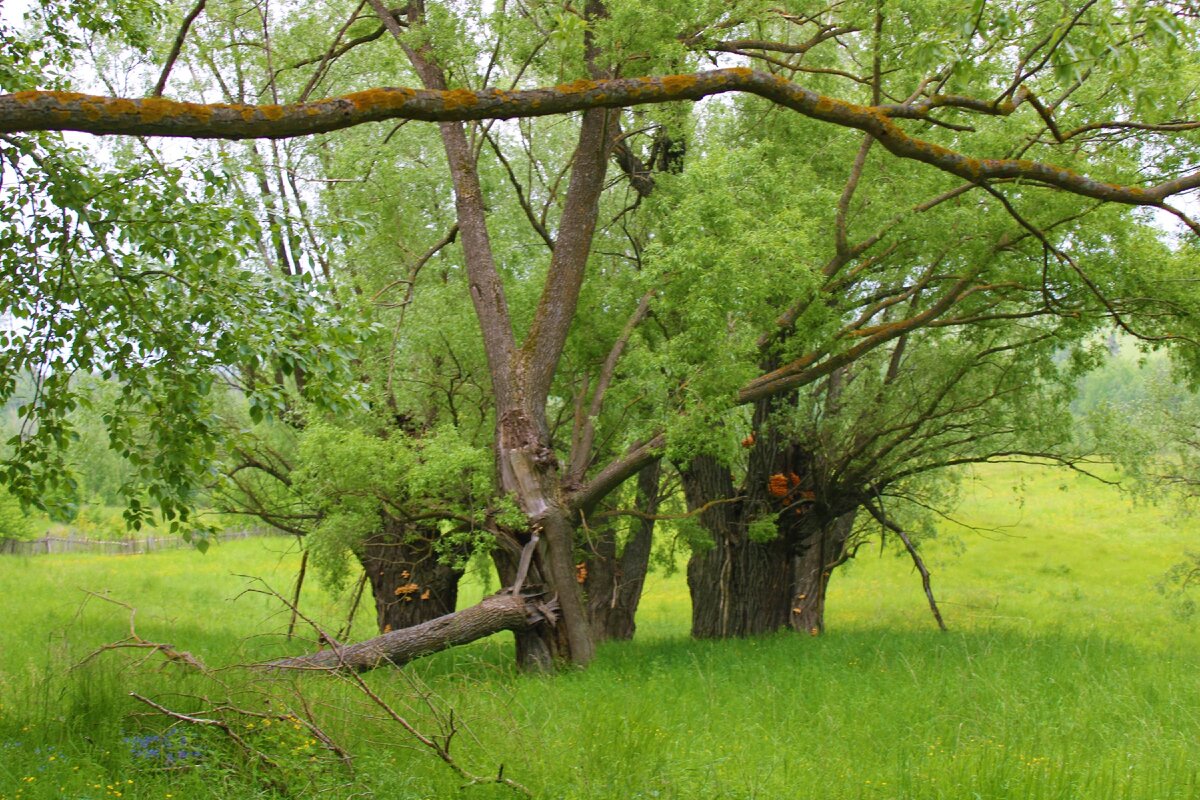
[14, 522]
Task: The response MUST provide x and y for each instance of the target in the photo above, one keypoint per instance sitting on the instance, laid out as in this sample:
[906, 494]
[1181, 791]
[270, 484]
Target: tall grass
[1065, 675]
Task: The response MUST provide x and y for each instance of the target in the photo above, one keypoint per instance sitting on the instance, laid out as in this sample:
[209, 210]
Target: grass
[1065, 675]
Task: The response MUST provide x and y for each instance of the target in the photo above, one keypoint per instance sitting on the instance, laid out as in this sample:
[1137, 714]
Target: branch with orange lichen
[43, 110]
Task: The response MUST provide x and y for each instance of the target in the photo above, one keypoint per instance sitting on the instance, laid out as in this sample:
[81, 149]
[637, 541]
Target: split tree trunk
[614, 580]
[536, 646]
[813, 566]
[409, 583]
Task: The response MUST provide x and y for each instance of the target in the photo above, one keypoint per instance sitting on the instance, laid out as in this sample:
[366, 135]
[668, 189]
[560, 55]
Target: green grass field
[1065, 675]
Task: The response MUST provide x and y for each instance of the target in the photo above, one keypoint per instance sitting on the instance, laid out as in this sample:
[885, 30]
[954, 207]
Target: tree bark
[409, 583]
[500, 612]
[614, 580]
[739, 587]
[813, 565]
[536, 646]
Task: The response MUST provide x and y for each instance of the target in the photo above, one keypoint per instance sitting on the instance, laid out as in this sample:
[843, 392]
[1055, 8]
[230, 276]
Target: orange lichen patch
[406, 589]
[247, 113]
[777, 485]
[742, 72]
[34, 96]
[459, 98]
[824, 105]
[155, 109]
[91, 110]
[271, 112]
[121, 106]
[972, 166]
[576, 87]
[678, 83]
[938, 151]
[380, 98]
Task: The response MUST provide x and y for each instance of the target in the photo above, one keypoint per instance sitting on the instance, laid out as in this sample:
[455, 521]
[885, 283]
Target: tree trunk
[739, 587]
[613, 581]
[408, 582]
[813, 565]
[500, 612]
[536, 646]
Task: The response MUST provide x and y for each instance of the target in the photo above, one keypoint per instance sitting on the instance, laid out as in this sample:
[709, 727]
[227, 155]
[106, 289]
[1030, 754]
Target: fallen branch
[500, 612]
[135, 641]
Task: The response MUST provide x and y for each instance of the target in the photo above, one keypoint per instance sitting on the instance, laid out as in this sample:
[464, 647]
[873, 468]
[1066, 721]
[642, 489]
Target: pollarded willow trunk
[739, 586]
[813, 565]
[614, 580]
[409, 583]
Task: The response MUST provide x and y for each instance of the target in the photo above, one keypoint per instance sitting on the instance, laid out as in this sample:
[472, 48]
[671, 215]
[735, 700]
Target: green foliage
[14, 522]
[137, 274]
[358, 481]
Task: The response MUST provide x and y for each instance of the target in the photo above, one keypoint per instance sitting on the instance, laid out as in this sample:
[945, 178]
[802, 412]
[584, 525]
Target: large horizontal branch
[44, 110]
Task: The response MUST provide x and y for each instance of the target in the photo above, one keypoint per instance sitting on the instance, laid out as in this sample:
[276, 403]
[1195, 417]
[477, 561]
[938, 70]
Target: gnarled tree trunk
[409, 583]
[739, 587]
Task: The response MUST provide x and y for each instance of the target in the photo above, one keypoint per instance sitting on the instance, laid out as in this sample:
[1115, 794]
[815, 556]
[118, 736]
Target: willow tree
[1036, 130]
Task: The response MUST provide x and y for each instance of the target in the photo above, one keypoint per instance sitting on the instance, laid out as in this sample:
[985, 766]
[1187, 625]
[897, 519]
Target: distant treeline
[50, 545]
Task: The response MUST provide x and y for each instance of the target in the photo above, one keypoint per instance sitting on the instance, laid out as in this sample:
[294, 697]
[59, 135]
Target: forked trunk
[614, 580]
[410, 585]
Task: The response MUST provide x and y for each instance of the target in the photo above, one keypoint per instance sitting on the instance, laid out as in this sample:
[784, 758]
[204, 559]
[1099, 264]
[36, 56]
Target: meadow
[1065, 674]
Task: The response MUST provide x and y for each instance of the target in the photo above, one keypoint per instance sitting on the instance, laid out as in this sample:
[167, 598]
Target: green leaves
[137, 275]
[357, 481]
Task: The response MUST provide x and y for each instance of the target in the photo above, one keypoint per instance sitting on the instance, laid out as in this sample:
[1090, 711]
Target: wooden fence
[50, 545]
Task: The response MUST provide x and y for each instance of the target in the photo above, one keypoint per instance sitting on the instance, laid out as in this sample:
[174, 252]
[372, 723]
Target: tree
[1054, 57]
